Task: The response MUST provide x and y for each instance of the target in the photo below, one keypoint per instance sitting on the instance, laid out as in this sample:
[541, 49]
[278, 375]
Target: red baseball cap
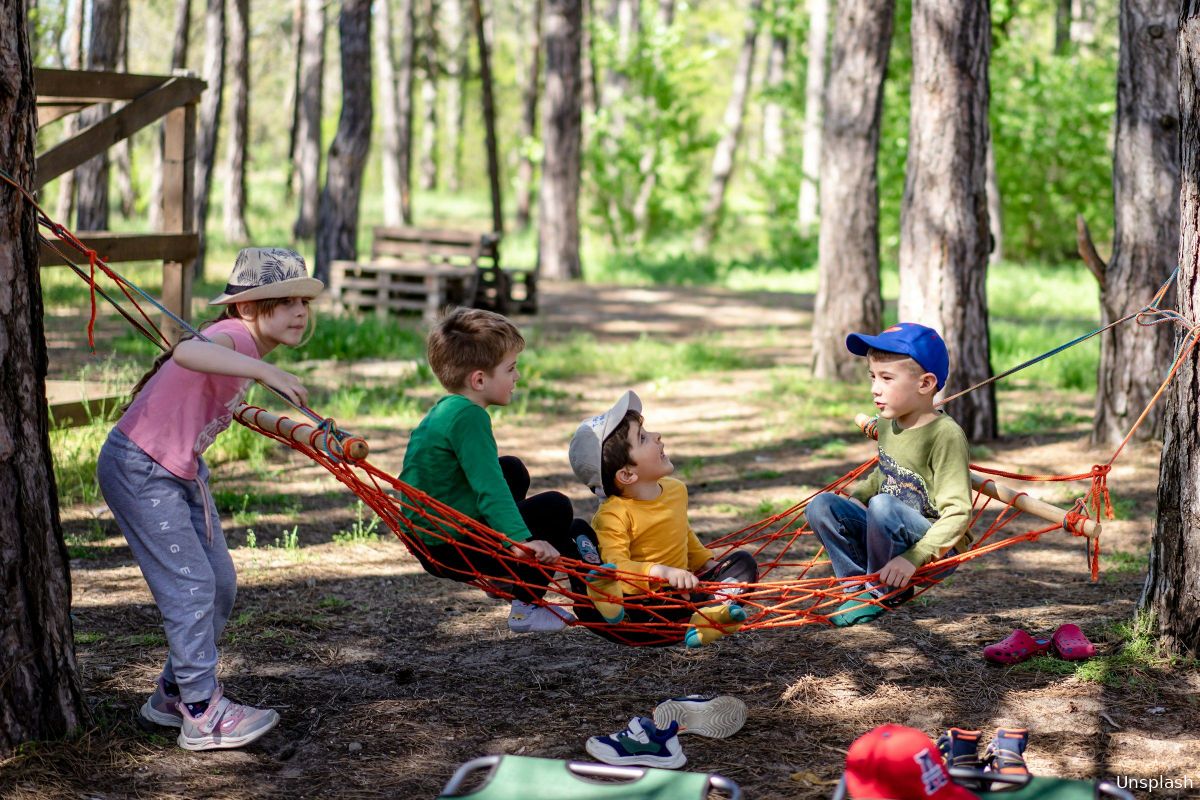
[894, 762]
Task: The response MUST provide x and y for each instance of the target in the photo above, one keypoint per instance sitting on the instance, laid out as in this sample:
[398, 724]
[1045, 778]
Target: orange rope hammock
[792, 590]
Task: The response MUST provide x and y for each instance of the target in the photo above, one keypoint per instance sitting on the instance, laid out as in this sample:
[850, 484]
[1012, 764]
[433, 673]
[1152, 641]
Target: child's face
[285, 324]
[899, 388]
[498, 385]
[647, 454]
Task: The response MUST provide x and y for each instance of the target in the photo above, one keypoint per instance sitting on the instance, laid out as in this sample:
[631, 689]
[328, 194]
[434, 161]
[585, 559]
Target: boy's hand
[897, 572]
[542, 551]
[678, 578]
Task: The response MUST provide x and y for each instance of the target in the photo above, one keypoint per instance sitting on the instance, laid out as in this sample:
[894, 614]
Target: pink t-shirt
[179, 411]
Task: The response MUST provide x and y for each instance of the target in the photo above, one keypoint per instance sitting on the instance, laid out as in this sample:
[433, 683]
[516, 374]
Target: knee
[883, 504]
[559, 506]
[514, 469]
[821, 504]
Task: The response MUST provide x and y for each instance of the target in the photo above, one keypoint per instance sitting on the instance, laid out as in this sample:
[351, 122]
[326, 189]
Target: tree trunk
[31, 14]
[239, 122]
[122, 151]
[489, 114]
[40, 694]
[74, 60]
[1083, 22]
[590, 72]
[458, 34]
[209, 121]
[1170, 594]
[429, 95]
[807, 213]
[389, 112]
[337, 233]
[92, 178]
[848, 294]
[1062, 27]
[648, 164]
[1146, 218]
[666, 12]
[562, 134]
[943, 215]
[293, 102]
[772, 115]
[404, 103]
[179, 54]
[735, 114]
[308, 133]
[529, 101]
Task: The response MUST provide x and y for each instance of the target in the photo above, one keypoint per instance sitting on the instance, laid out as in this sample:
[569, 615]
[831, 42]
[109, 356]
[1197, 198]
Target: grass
[362, 530]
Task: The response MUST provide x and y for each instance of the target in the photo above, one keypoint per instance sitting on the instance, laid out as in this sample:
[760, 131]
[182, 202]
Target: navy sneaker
[587, 551]
[640, 744]
[960, 748]
[1006, 753]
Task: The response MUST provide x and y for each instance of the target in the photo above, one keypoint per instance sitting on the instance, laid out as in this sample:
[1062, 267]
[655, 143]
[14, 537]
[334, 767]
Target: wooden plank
[101, 85]
[178, 172]
[75, 403]
[53, 112]
[430, 252]
[122, 247]
[353, 269]
[122, 124]
[430, 235]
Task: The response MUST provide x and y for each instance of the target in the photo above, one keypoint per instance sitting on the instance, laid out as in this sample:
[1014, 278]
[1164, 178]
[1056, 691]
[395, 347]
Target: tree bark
[389, 112]
[489, 114]
[290, 187]
[179, 54]
[337, 233]
[943, 215]
[735, 114]
[457, 36]
[209, 120]
[239, 122]
[562, 123]
[529, 102]
[308, 132]
[1062, 27]
[807, 212]
[772, 115]
[1146, 218]
[430, 66]
[1171, 594]
[848, 293]
[123, 151]
[92, 178]
[74, 60]
[40, 693]
[404, 99]
[591, 77]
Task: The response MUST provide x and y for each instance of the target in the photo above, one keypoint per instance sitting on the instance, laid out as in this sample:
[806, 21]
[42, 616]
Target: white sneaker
[224, 724]
[528, 618]
[716, 717]
[640, 744]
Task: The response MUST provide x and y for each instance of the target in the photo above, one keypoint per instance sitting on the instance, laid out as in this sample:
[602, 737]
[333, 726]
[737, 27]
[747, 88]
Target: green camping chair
[522, 778]
[1022, 787]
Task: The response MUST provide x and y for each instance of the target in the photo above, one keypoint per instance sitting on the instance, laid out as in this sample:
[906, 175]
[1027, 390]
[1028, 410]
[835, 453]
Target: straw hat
[264, 273]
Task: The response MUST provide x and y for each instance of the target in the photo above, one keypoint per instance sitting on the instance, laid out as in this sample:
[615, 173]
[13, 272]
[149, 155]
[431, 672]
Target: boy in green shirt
[918, 500]
[452, 457]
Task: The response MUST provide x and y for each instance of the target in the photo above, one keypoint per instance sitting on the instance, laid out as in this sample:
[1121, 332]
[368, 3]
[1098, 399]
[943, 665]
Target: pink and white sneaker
[224, 724]
[162, 708]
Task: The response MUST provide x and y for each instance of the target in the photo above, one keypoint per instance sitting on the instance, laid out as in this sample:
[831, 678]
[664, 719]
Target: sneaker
[528, 618]
[716, 717]
[224, 725]
[960, 748]
[587, 551]
[639, 744]
[162, 708]
[861, 608]
[1006, 753]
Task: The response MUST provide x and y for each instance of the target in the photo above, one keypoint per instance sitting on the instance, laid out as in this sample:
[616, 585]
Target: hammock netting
[795, 586]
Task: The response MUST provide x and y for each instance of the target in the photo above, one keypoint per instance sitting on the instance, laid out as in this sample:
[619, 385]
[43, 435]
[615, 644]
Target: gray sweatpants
[173, 529]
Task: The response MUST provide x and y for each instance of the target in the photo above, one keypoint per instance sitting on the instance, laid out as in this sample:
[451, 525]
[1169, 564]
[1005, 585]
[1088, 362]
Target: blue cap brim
[860, 343]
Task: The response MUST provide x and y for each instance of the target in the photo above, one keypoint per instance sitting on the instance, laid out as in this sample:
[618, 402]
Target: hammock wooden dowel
[352, 448]
[998, 491]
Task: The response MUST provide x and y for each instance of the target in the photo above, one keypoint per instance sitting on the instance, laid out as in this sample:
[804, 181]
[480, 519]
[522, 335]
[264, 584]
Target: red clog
[1071, 644]
[1018, 646]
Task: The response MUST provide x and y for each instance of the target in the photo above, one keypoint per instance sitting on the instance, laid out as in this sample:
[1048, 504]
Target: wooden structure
[425, 270]
[146, 99]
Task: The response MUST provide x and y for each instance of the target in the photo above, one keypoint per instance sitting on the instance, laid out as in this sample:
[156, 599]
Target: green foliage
[361, 531]
[356, 337]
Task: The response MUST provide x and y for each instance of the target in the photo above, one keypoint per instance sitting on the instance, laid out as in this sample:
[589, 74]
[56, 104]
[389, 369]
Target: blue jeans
[860, 541]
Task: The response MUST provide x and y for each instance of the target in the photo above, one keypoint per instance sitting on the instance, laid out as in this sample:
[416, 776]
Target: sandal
[1006, 753]
[1018, 646]
[1071, 644]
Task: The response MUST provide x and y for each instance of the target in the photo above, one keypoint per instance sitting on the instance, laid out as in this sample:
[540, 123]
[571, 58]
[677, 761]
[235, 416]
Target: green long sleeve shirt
[452, 457]
[928, 468]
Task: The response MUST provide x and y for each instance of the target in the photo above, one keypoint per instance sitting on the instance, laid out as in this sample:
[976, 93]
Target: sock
[171, 688]
[711, 623]
[602, 591]
[197, 709]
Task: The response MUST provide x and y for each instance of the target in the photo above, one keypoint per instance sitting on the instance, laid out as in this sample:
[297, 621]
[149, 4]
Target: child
[642, 525]
[156, 483]
[452, 457]
[919, 498]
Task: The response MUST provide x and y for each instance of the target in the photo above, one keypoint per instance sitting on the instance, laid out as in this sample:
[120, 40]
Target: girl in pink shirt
[156, 484]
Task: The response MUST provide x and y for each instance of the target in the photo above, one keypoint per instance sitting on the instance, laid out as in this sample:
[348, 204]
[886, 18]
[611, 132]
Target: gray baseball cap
[588, 441]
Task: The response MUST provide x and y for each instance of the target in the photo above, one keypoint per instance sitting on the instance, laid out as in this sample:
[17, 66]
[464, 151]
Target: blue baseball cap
[920, 343]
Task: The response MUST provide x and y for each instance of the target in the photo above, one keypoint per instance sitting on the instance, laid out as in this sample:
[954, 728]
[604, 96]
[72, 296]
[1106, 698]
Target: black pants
[548, 516]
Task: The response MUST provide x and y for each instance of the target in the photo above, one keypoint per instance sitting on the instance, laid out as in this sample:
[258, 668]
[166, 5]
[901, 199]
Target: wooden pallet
[389, 288]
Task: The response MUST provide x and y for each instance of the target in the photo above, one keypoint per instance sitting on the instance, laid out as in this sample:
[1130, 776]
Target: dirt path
[386, 678]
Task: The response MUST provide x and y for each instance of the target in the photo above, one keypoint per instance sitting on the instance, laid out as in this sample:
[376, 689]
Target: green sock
[857, 609]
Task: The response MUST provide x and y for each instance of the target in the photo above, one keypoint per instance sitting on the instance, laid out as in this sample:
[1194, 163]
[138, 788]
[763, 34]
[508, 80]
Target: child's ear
[475, 380]
[626, 475]
[928, 384]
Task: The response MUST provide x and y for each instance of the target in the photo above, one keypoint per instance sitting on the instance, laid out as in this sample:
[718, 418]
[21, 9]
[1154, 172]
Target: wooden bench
[426, 269]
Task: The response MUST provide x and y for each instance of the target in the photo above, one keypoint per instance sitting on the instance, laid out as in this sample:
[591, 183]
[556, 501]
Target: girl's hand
[542, 551]
[678, 578]
[285, 383]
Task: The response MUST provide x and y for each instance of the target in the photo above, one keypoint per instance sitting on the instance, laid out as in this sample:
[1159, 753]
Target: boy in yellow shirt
[642, 528]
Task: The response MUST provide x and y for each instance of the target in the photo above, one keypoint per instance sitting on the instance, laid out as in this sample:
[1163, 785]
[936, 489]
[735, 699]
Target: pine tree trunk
[123, 150]
[848, 293]
[239, 122]
[1083, 22]
[179, 53]
[74, 60]
[290, 187]
[389, 112]
[666, 12]
[91, 179]
[772, 115]
[807, 213]
[404, 100]
[40, 693]
[943, 215]
[209, 121]
[1170, 594]
[31, 12]
[337, 232]
[1146, 217]
[590, 72]
[529, 102]
[430, 66]
[562, 123]
[1062, 27]
[308, 133]
[458, 35]
[735, 114]
[482, 38]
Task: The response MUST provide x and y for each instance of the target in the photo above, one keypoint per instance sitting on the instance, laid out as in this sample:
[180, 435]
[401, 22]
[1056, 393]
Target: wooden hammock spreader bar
[352, 448]
[1007, 495]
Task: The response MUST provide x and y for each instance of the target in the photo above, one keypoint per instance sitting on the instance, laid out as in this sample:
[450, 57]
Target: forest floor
[386, 678]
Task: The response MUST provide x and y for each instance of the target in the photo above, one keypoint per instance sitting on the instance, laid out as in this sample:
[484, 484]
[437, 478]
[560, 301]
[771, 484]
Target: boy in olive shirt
[918, 500]
[452, 457]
